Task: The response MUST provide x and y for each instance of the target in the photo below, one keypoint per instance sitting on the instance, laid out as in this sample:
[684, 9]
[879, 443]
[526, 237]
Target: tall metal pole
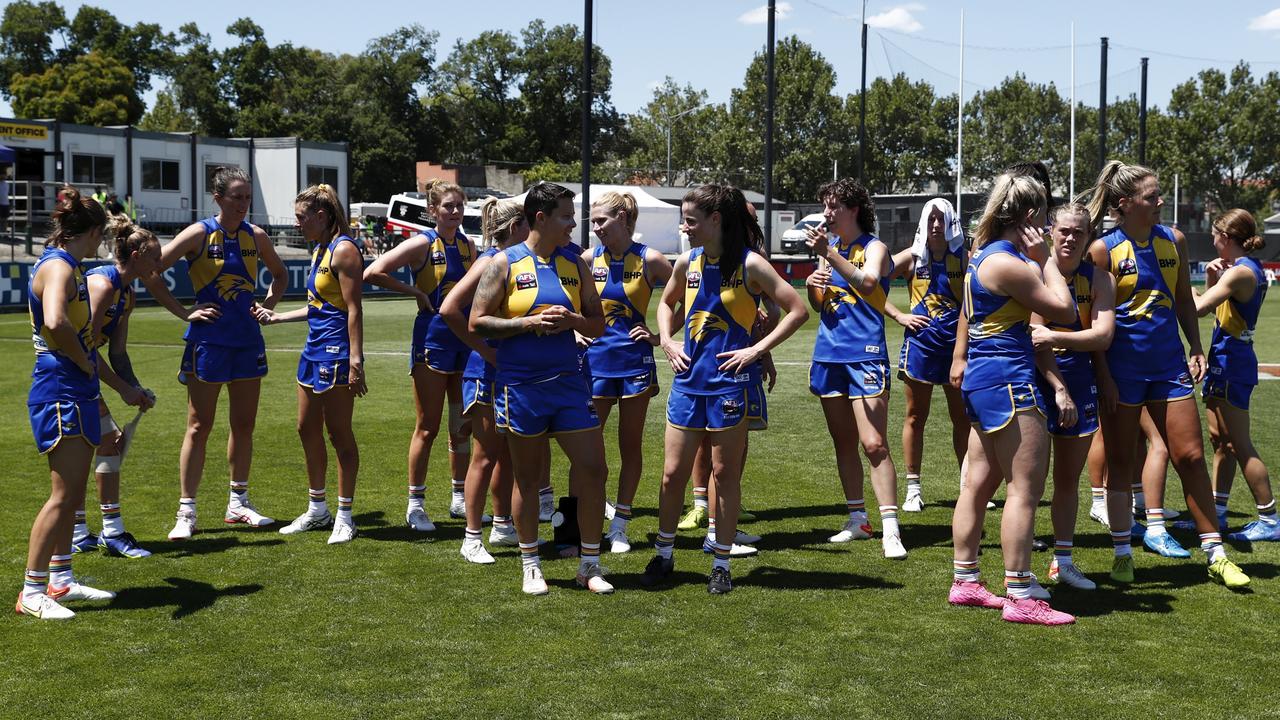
[1142, 118]
[1071, 185]
[668, 152]
[862, 101]
[960, 126]
[768, 137]
[1102, 109]
[586, 122]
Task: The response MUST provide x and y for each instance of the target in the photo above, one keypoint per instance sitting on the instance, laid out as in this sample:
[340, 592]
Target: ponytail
[74, 215]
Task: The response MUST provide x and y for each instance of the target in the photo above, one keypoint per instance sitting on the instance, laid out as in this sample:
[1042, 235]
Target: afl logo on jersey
[600, 274]
[526, 280]
[437, 258]
[215, 252]
[694, 280]
[1128, 266]
[923, 273]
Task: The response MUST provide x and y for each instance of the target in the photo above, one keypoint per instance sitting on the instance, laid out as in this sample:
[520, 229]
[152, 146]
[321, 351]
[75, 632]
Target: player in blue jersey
[850, 370]
[503, 225]
[63, 402]
[534, 297]
[437, 259]
[1063, 358]
[331, 369]
[1146, 365]
[717, 287]
[1010, 276]
[621, 360]
[934, 269]
[1236, 288]
[224, 348]
[136, 255]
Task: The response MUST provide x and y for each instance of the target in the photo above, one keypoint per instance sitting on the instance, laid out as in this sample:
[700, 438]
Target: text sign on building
[23, 131]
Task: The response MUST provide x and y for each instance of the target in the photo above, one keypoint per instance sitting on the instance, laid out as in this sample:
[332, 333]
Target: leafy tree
[27, 32]
[1017, 121]
[693, 123]
[167, 116]
[911, 136]
[475, 90]
[91, 90]
[197, 83]
[144, 48]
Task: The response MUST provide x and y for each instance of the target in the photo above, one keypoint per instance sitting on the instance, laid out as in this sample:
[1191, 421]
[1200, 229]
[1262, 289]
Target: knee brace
[458, 424]
[108, 464]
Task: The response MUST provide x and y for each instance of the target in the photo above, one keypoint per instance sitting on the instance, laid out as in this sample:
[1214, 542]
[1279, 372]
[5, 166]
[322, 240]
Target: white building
[168, 174]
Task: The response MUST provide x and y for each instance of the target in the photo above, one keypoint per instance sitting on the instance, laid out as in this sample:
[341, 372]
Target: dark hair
[738, 231]
[544, 197]
[324, 197]
[1240, 226]
[74, 215]
[1037, 170]
[224, 175]
[127, 238]
[851, 194]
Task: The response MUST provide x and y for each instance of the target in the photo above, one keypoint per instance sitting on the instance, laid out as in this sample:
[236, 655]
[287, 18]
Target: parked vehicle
[407, 215]
[793, 239]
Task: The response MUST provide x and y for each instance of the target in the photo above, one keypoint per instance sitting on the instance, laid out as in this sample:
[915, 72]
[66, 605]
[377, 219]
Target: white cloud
[760, 15]
[1269, 21]
[899, 18]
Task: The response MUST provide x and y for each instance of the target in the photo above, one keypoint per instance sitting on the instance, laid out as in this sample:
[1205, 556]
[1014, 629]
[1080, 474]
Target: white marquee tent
[658, 225]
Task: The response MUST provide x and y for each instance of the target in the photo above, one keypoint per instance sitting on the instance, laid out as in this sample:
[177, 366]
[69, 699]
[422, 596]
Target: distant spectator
[4, 196]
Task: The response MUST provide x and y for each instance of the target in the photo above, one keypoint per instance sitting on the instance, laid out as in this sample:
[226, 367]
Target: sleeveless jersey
[624, 293]
[533, 285]
[121, 302]
[445, 265]
[933, 287]
[719, 313]
[55, 377]
[1147, 345]
[476, 366]
[327, 334]
[1081, 286]
[224, 272]
[1000, 349]
[1231, 354]
[851, 325]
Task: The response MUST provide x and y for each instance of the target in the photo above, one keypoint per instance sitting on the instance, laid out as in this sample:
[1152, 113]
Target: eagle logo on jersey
[937, 304]
[702, 323]
[835, 297]
[1144, 303]
[615, 312]
[231, 287]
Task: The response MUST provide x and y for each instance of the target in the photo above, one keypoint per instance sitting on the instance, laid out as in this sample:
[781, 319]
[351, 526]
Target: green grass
[248, 623]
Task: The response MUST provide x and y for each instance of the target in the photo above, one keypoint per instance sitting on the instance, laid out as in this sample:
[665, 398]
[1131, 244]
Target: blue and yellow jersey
[851, 325]
[624, 293]
[476, 366]
[719, 313]
[934, 286]
[1146, 345]
[446, 263]
[533, 285]
[55, 377]
[1231, 355]
[225, 272]
[1081, 286]
[1000, 349]
[327, 335]
[121, 302]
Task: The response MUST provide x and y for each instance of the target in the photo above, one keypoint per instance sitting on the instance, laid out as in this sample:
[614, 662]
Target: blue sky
[709, 43]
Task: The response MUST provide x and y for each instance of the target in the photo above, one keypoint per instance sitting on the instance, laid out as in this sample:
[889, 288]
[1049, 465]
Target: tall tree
[27, 33]
[475, 89]
[693, 124]
[144, 48]
[1016, 121]
[91, 90]
[197, 83]
[911, 136]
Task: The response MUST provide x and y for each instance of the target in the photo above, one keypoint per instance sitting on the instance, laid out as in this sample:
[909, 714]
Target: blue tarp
[7, 156]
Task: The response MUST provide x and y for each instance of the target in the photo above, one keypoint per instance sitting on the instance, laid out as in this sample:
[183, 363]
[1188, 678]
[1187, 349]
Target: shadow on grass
[187, 597]
[1108, 600]
[202, 544]
[778, 578]
[800, 511]
[374, 525]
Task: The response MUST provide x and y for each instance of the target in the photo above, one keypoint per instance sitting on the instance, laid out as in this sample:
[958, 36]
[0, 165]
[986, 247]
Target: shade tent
[657, 226]
[7, 156]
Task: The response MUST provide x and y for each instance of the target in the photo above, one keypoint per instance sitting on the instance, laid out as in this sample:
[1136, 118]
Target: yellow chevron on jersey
[634, 284]
[1232, 322]
[523, 290]
[1011, 314]
[206, 268]
[702, 323]
[741, 305]
[438, 273]
[928, 292]
[327, 287]
[1123, 261]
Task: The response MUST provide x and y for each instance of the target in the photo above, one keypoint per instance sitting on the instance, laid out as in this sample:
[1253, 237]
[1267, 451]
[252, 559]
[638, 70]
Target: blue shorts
[1083, 390]
[1141, 392]
[476, 391]
[559, 405]
[1236, 394]
[722, 411]
[854, 380]
[54, 421]
[221, 363]
[917, 361]
[757, 408]
[584, 365]
[446, 362]
[991, 408]
[323, 375]
[643, 383]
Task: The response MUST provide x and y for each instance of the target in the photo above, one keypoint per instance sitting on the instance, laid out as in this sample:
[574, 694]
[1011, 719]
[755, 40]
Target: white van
[407, 216]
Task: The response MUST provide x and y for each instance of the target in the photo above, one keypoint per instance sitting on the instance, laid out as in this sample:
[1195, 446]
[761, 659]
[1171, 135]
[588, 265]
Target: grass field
[247, 623]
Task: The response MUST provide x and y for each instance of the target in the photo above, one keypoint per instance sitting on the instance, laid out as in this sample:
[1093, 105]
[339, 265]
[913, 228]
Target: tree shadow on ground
[1107, 600]
[799, 511]
[203, 545]
[374, 526]
[186, 596]
[780, 578]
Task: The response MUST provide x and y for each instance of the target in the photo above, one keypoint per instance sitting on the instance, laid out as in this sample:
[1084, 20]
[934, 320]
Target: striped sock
[588, 554]
[60, 570]
[1017, 584]
[1155, 520]
[857, 509]
[965, 570]
[344, 509]
[1099, 496]
[913, 483]
[470, 535]
[187, 505]
[35, 583]
[528, 554]
[416, 495]
[1120, 543]
[81, 530]
[889, 519]
[711, 530]
[1210, 543]
[1267, 513]
[621, 517]
[1220, 502]
[700, 497]
[1062, 552]
[459, 490]
[502, 521]
[112, 523]
[317, 503]
[546, 492]
[239, 492]
[665, 543]
[1139, 497]
[720, 556]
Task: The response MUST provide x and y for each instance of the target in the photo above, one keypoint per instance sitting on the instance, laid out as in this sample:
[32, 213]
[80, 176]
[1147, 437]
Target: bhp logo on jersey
[526, 280]
[1128, 266]
[568, 281]
[1168, 262]
[633, 275]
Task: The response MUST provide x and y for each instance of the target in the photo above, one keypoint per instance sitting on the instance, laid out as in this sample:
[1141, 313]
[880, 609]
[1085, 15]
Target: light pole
[667, 129]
